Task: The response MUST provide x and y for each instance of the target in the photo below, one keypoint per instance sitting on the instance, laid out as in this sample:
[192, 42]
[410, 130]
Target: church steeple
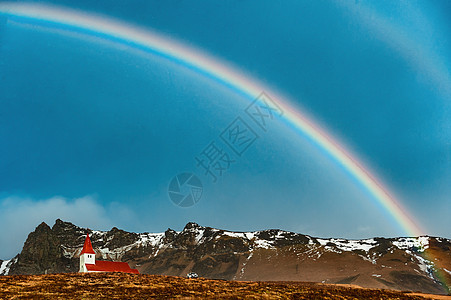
[87, 247]
[87, 255]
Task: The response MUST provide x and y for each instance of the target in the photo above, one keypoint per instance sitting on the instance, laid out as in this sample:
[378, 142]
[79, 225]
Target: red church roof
[87, 247]
[111, 266]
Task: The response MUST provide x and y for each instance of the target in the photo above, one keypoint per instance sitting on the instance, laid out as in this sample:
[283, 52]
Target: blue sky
[92, 132]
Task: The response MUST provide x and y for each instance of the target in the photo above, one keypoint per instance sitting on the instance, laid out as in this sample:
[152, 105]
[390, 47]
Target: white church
[88, 263]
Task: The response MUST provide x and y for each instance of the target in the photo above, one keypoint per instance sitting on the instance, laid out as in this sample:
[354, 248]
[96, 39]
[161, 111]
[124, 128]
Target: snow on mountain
[266, 239]
[349, 245]
[5, 266]
[258, 255]
[3, 270]
[420, 243]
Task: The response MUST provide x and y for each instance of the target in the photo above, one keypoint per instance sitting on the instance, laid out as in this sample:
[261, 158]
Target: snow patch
[3, 270]
[421, 243]
[240, 235]
[6, 266]
[250, 235]
[149, 239]
[263, 244]
[349, 245]
[322, 242]
[373, 261]
[199, 236]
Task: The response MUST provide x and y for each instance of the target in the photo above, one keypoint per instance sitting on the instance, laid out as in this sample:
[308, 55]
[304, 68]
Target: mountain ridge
[395, 263]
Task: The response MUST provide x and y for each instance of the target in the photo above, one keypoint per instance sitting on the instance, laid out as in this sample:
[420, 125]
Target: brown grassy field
[131, 286]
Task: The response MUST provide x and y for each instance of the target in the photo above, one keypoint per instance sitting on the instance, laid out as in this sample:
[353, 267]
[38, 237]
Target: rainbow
[98, 26]
[420, 56]
[137, 38]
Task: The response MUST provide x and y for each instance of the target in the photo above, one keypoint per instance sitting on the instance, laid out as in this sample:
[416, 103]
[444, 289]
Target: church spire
[87, 247]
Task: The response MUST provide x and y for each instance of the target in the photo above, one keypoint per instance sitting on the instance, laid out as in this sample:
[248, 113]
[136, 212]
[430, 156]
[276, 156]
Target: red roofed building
[89, 264]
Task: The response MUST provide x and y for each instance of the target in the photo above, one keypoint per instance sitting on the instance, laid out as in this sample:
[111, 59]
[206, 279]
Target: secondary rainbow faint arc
[117, 31]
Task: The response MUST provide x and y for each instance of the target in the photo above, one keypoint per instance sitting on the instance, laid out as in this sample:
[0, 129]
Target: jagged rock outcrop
[396, 263]
[43, 251]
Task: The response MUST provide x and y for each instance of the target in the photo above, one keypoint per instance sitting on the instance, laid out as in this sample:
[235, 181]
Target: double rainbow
[97, 26]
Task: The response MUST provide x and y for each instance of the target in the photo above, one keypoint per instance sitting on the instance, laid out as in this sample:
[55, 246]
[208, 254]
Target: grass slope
[131, 286]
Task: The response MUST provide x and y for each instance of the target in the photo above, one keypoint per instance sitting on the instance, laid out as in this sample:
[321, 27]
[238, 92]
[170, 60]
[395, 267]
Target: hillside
[268, 255]
[129, 286]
